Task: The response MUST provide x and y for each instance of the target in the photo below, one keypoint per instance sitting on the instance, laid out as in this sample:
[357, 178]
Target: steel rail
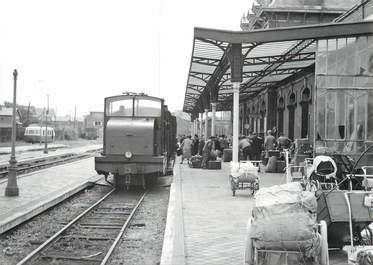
[121, 232]
[55, 236]
[46, 163]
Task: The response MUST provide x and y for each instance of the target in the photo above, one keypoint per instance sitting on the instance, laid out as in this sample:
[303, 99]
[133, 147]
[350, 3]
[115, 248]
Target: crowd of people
[211, 149]
[252, 146]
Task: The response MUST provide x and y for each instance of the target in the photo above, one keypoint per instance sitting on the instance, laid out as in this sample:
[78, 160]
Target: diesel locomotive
[139, 140]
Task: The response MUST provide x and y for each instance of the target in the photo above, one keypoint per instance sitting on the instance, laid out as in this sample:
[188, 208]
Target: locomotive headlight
[128, 154]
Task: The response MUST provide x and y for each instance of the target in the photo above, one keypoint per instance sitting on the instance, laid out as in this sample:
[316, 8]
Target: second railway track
[92, 236]
[29, 165]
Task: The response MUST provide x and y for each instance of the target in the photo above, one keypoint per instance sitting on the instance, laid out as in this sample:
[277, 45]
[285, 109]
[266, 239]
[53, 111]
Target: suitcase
[280, 166]
[227, 155]
[214, 164]
[195, 161]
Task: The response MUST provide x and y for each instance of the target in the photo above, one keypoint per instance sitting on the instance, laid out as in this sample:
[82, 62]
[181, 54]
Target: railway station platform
[42, 189]
[206, 224]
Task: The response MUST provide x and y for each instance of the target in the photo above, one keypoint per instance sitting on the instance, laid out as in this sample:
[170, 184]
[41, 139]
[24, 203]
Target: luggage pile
[244, 172]
[195, 161]
[244, 175]
[214, 164]
[284, 218]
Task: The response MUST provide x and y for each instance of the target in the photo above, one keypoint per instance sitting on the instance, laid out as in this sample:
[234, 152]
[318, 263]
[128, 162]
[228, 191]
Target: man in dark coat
[195, 145]
[256, 147]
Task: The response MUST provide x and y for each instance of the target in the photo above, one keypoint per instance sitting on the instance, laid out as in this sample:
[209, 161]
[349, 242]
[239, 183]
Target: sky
[81, 51]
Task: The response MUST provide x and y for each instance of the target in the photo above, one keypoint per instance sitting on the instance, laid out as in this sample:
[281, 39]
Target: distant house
[6, 123]
[93, 124]
[66, 128]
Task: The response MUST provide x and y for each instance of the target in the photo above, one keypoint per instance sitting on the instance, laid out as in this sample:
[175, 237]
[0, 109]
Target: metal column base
[11, 191]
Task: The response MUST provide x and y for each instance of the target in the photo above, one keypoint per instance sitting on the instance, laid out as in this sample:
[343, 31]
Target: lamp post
[12, 188]
[46, 127]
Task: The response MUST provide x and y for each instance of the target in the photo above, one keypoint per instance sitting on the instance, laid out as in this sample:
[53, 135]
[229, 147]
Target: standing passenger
[256, 147]
[201, 144]
[245, 146]
[206, 152]
[187, 148]
[195, 145]
[269, 142]
[283, 142]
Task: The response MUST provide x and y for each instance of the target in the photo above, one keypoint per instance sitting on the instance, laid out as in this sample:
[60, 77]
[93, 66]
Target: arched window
[262, 115]
[280, 110]
[291, 107]
[305, 102]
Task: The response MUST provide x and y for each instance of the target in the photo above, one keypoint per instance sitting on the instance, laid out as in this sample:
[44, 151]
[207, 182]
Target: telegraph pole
[75, 119]
[46, 127]
[12, 188]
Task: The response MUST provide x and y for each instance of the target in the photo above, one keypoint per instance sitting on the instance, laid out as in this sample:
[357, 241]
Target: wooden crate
[214, 164]
[332, 208]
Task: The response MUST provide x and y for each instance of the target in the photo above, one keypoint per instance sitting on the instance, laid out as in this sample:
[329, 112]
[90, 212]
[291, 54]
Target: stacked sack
[284, 218]
[244, 172]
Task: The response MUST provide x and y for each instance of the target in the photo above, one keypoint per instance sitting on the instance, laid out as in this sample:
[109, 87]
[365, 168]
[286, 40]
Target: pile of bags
[195, 161]
[244, 172]
[284, 218]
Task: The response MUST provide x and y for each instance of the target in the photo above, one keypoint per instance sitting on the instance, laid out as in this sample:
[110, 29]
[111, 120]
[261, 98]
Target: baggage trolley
[254, 256]
[246, 180]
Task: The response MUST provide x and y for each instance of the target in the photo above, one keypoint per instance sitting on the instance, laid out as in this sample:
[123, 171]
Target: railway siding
[43, 189]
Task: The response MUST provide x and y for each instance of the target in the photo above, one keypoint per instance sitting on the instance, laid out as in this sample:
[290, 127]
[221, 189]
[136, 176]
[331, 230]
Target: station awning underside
[269, 57]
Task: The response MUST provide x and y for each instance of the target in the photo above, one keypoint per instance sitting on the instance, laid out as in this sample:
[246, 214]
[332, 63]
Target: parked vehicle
[36, 134]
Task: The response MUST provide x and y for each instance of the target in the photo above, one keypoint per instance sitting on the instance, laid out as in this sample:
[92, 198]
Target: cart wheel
[370, 233]
[249, 251]
[233, 186]
[324, 255]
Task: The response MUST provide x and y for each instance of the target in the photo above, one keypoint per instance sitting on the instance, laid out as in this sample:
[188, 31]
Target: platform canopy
[268, 57]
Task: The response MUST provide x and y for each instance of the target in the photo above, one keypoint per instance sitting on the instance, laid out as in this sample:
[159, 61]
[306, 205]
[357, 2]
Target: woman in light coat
[186, 146]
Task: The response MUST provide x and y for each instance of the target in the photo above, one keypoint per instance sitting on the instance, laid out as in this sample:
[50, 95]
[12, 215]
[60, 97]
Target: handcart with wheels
[245, 176]
[284, 229]
[257, 256]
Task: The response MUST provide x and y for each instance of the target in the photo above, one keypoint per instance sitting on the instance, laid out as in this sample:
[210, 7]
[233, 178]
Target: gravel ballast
[142, 242]
[23, 239]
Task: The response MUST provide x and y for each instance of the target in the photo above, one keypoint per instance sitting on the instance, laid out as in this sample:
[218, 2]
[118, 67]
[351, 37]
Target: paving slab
[206, 224]
[42, 189]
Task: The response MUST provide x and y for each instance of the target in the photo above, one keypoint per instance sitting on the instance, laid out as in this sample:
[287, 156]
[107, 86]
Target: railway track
[93, 235]
[42, 162]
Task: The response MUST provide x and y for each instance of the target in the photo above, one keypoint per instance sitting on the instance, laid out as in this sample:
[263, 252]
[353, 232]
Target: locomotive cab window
[147, 108]
[122, 107]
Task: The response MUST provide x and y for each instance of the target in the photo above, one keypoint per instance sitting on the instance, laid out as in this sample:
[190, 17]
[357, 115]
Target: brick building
[93, 124]
[6, 124]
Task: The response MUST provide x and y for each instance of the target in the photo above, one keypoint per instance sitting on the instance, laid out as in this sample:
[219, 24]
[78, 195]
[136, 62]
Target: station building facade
[290, 106]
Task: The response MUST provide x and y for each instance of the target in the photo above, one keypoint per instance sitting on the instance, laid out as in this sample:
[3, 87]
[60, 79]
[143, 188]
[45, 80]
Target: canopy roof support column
[206, 123]
[193, 131]
[200, 125]
[236, 95]
[236, 62]
[213, 117]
